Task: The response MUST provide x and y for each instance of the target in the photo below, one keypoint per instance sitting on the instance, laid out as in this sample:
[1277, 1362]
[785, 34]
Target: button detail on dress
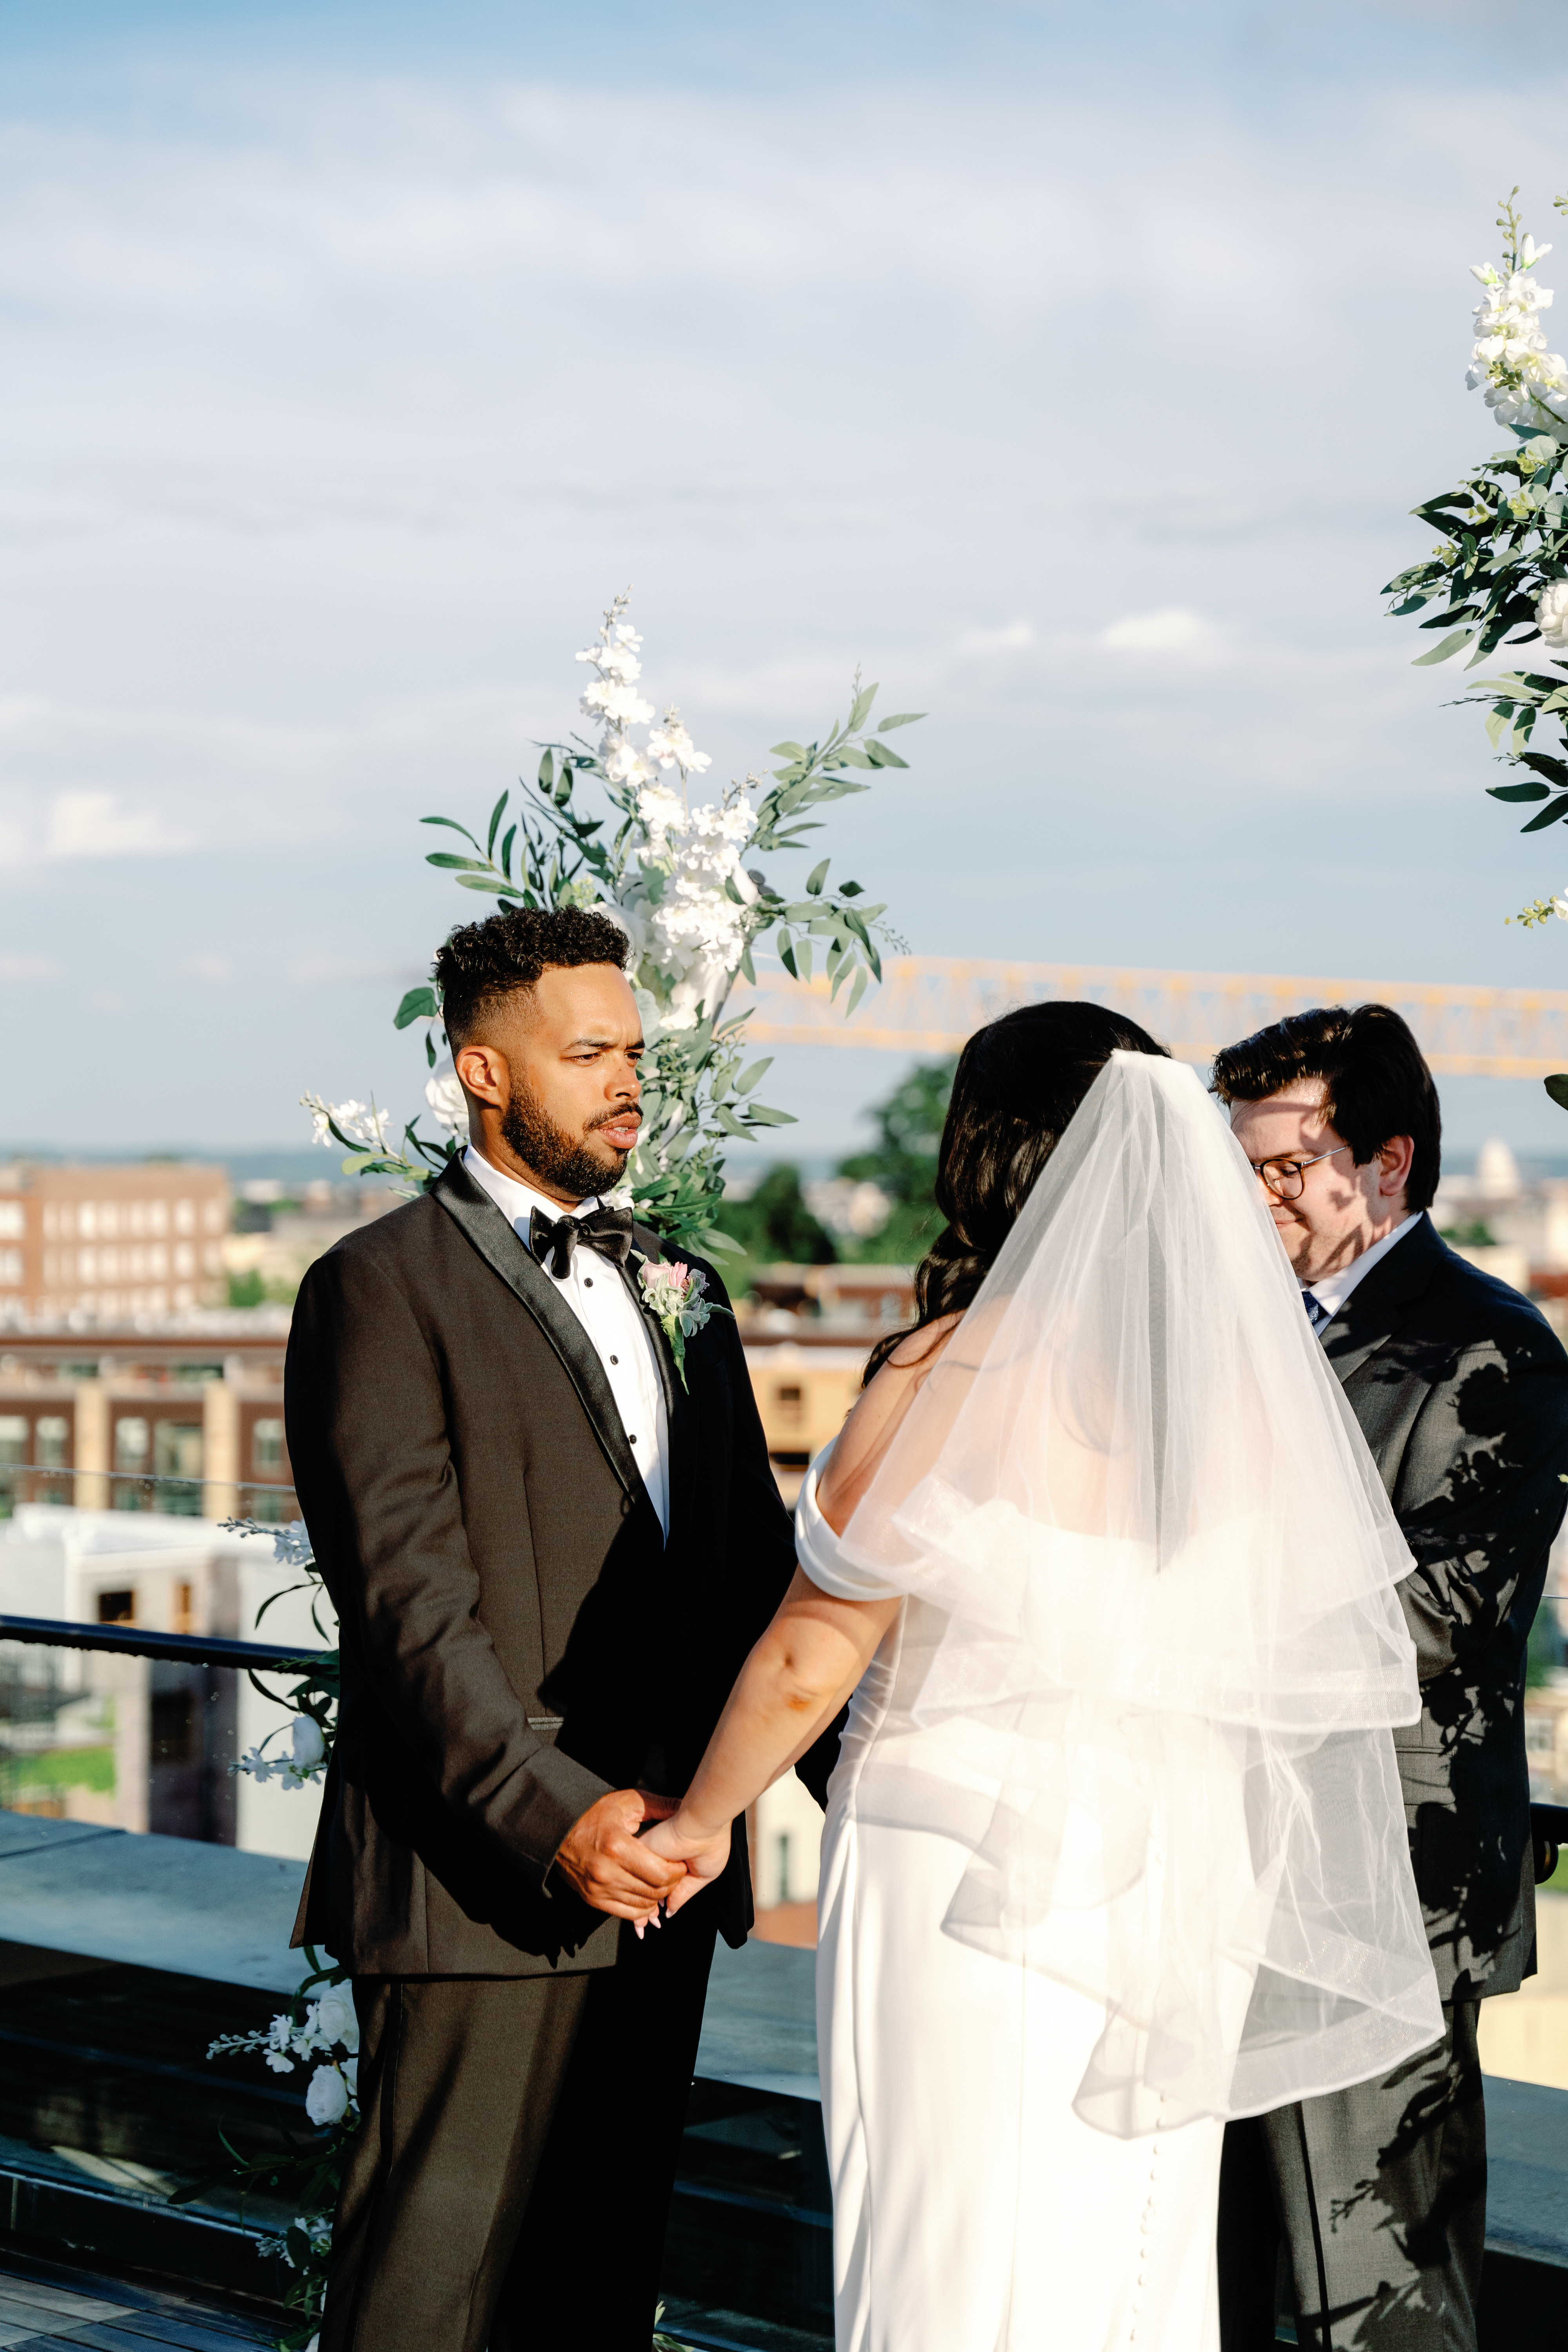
[631, 1434]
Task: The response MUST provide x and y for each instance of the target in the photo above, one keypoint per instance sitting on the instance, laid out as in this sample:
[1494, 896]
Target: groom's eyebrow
[600, 1046]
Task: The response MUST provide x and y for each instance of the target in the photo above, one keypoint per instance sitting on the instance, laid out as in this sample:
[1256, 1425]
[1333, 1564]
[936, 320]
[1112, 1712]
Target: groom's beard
[565, 1161]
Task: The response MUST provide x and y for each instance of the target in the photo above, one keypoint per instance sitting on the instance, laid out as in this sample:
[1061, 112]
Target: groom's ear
[485, 1075]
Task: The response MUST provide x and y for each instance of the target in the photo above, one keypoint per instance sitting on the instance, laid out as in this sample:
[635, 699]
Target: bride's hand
[704, 1857]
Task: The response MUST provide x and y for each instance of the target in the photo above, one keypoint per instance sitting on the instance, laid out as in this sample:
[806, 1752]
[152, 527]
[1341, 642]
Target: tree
[773, 1225]
[903, 1162]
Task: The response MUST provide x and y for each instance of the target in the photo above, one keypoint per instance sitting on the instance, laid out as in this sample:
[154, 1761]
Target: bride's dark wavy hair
[1019, 1082]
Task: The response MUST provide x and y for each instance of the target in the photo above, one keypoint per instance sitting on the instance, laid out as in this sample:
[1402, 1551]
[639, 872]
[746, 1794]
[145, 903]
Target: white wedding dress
[1115, 1847]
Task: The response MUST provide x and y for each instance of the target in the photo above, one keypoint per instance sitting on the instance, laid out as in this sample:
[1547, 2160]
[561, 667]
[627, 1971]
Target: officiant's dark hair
[1017, 1084]
[482, 962]
[1376, 1081]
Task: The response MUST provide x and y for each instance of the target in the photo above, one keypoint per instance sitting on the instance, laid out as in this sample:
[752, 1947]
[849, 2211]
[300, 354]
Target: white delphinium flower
[695, 892]
[672, 746]
[444, 1092]
[1551, 615]
[292, 1544]
[1524, 382]
[363, 1124]
[621, 706]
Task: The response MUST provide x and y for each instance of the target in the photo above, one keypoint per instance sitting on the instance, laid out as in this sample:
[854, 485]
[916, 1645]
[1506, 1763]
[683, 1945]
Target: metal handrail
[185, 1649]
[135, 1477]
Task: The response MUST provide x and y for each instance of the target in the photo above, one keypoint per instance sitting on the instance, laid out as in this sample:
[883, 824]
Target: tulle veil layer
[1162, 1698]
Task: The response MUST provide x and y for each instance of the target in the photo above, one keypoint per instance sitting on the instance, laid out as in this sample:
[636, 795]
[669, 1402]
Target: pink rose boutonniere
[675, 1295]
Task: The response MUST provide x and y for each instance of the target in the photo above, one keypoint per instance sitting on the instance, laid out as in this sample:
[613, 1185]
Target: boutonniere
[677, 1296]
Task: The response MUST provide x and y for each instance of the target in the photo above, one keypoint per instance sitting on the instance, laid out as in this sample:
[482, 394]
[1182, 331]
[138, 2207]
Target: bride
[1115, 1847]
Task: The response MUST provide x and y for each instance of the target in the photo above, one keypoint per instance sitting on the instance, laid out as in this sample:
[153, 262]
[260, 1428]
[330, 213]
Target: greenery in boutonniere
[676, 1297]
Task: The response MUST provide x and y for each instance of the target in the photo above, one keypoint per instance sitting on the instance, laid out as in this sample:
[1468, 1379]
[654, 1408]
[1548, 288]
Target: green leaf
[753, 1076]
[850, 890]
[449, 857]
[1519, 792]
[787, 751]
[881, 757]
[817, 877]
[857, 990]
[496, 815]
[1557, 1087]
[1559, 808]
[760, 1115]
[901, 719]
[547, 772]
[419, 1004]
[1543, 764]
[486, 882]
[1442, 651]
[509, 836]
[861, 710]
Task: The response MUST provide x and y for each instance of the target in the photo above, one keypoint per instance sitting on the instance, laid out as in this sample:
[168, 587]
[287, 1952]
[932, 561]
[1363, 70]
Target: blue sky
[1073, 371]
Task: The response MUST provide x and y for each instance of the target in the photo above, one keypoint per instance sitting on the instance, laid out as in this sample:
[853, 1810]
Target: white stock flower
[327, 2099]
[672, 746]
[363, 1125]
[619, 704]
[623, 763]
[1551, 615]
[444, 1092]
[320, 1132]
[1524, 384]
[257, 1766]
[336, 2021]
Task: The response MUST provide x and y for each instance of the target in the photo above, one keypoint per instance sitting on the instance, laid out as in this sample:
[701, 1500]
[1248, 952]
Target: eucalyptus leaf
[753, 1075]
[419, 1004]
[1557, 1087]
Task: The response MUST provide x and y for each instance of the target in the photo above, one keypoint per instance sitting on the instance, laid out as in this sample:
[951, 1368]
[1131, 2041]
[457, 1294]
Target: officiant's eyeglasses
[1285, 1178]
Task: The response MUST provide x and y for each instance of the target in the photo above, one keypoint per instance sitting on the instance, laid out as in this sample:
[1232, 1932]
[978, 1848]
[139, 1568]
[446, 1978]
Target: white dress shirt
[1333, 1290]
[600, 1299]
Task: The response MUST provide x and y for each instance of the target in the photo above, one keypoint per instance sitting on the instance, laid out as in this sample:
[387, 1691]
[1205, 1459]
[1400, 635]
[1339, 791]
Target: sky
[1071, 371]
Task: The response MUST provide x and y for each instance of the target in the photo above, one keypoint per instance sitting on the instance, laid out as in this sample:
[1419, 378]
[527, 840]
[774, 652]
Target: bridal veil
[1162, 1703]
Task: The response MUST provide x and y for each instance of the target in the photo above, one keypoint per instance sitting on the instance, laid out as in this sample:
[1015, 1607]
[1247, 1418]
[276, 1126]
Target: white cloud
[981, 644]
[215, 968]
[28, 967]
[1171, 629]
[95, 824]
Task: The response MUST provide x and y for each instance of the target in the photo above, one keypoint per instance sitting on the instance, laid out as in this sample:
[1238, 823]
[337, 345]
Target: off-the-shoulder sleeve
[823, 1556]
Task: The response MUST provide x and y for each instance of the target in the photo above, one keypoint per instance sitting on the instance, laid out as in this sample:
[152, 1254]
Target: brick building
[104, 1244]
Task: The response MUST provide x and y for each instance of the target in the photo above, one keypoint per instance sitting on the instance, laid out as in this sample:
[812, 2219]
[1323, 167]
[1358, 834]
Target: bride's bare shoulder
[917, 1350]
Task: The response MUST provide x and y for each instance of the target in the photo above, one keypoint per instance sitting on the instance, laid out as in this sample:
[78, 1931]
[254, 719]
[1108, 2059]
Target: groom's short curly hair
[483, 963]
[1375, 1076]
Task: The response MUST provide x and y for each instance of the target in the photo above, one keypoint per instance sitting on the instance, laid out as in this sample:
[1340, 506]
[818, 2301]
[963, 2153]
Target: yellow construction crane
[929, 1004]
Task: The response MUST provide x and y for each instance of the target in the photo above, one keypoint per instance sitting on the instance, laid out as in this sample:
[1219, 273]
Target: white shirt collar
[1333, 1290]
[518, 1201]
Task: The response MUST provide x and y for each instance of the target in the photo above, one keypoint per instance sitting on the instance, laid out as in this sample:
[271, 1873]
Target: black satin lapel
[1380, 1304]
[678, 1417]
[482, 1223]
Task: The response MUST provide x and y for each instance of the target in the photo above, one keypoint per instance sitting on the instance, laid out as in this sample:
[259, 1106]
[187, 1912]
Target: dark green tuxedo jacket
[516, 1635]
[1461, 1391]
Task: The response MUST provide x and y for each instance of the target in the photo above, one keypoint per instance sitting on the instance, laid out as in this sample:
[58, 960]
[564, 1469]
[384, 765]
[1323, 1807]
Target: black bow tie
[554, 1239]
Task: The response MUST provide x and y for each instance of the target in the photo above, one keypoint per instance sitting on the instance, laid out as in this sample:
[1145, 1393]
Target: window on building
[790, 1402]
[182, 1610]
[1540, 1732]
[12, 1221]
[117, 1608]
[267, 1447]
[184, 1216]
[11, 1267]
[13, 1437]
[132, 1443]
[177, 1454]
[52, 1440]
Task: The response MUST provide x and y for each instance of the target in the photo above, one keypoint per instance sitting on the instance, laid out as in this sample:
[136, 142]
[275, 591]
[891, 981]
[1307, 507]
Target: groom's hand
[602, 1860]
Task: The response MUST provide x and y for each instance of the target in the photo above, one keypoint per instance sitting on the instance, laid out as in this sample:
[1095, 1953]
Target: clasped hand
[629, 1875]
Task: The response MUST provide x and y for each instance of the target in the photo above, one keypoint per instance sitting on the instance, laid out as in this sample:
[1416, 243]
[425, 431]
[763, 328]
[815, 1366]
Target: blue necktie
[1317, 1313]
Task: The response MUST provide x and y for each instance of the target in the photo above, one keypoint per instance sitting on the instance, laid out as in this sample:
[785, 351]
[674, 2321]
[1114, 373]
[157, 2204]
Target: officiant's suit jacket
[517, 1637]
[1461, 1391]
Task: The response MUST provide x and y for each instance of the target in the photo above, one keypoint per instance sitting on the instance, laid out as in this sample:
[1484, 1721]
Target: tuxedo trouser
[511, 2178]
[1379, 2192]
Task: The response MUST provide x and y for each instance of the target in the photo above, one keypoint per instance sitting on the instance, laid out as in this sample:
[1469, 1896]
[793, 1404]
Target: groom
[1461, 1391]
[549, 1553]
